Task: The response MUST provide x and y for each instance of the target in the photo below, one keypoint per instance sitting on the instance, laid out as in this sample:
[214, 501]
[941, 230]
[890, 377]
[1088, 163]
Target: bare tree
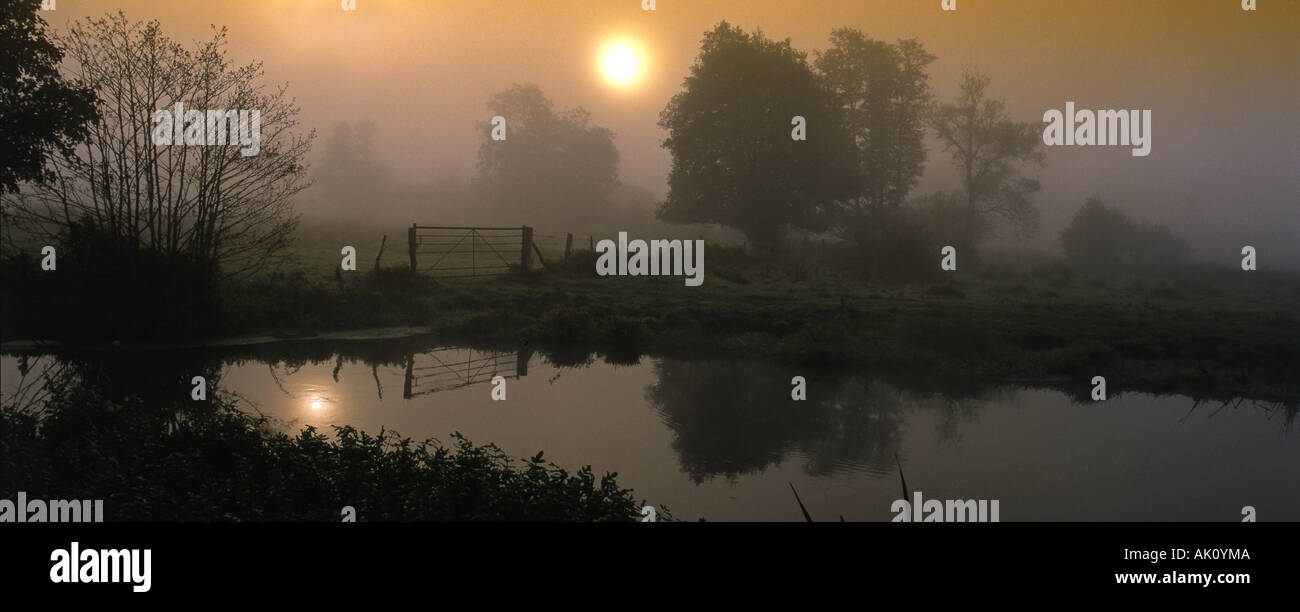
[989, 150]
[215, 204]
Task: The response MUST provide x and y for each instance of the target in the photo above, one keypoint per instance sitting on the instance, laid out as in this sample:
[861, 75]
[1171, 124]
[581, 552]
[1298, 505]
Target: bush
[894, 246]
[1100, 237]
[212, 462]
[105, 288]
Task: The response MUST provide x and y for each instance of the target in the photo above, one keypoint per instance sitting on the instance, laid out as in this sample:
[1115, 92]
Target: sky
[1223, 84]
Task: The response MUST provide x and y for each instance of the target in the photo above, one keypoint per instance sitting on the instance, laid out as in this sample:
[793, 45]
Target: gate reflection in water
[444, 369]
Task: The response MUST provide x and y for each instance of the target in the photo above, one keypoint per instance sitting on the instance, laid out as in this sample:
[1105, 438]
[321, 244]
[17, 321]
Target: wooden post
[568, 246]
[410, 242]
[521, 362]
[526, 251]
[410, 375]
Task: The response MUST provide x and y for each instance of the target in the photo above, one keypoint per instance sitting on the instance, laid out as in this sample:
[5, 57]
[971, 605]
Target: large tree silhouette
[729, 131]
[883, 91]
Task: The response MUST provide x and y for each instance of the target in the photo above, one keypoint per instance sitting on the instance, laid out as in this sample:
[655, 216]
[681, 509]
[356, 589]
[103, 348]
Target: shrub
[1100, 237]
[212, 462]
[105, 288]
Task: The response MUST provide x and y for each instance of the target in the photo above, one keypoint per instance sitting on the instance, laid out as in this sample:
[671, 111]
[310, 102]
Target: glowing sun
[622, 63]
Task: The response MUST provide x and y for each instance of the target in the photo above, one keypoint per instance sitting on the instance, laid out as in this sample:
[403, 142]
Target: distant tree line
[868, 106]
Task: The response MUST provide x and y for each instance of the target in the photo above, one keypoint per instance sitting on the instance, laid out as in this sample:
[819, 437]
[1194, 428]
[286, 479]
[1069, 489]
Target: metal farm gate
[442, 369]
[459, 252]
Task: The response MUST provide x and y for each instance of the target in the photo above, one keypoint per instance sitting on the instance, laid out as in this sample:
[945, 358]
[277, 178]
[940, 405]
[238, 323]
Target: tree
[730, 134]
[553, 166]
[348, 180]
[40, 113]
[989, 150]
[215, 206]
[883, 92]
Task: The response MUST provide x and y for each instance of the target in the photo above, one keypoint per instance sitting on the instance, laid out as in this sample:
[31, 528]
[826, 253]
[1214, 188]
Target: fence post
[410, 375]
[410, 244]
[381, 251]
[521, 362]
[526, 252]
[568, 246]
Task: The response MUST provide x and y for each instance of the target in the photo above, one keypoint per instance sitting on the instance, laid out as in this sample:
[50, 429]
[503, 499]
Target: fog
[1222, 85]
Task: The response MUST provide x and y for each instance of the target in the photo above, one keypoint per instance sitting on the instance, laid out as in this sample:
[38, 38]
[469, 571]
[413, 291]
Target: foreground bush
[212, 462]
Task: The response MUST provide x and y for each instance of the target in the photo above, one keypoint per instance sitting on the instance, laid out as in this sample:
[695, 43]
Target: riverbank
[1157, 339]
[1211, 334]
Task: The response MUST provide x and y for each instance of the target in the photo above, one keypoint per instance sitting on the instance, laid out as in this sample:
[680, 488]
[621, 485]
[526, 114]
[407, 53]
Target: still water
[724, 441]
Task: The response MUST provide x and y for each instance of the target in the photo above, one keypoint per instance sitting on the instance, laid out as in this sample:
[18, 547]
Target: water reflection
[731, 418]
[722, 439]
[317, 401]
[444, 369]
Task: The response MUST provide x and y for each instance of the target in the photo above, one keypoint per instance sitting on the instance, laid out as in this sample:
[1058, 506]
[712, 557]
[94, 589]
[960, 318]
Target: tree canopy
[883, 91]
[41, 113]
[735, 161]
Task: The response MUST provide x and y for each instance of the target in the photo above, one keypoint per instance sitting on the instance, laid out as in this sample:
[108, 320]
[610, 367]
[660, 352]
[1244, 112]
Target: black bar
[925, 561]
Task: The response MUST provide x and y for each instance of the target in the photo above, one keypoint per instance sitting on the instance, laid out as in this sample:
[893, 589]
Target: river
[724, 440]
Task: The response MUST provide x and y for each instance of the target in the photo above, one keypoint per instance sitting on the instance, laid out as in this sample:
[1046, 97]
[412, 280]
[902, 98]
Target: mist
[1221, 83]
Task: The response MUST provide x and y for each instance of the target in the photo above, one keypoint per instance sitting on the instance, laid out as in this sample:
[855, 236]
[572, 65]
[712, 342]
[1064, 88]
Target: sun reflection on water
[315, 402]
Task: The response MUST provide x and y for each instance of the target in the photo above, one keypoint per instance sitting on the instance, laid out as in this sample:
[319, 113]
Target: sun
[622, 63]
